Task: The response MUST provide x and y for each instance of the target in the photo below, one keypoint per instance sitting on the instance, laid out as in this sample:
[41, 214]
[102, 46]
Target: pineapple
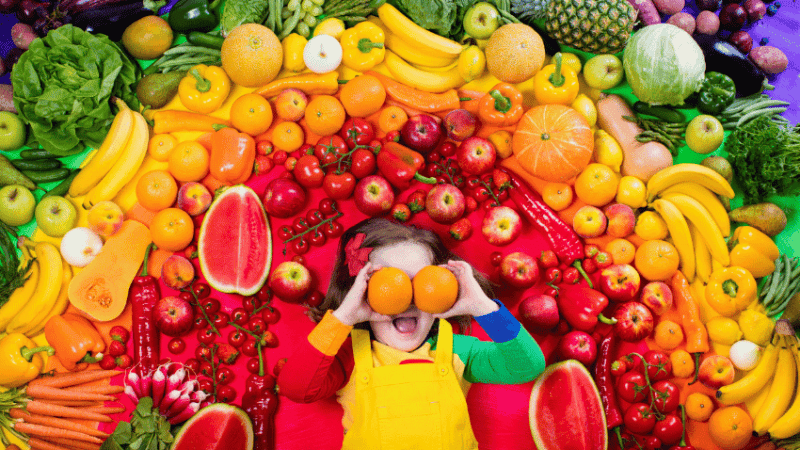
[529, 10]
[595, 26]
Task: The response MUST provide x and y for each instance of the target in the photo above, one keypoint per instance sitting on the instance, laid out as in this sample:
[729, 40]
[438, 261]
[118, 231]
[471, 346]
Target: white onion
[745, 354]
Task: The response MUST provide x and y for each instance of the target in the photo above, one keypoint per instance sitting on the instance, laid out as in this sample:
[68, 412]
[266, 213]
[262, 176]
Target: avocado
[157, 89]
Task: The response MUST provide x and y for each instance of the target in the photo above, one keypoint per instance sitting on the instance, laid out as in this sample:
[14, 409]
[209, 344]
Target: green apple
[704, 134]
[16, 205]
[55, 216]
[481, 20]
[603, 71]
[12, 131]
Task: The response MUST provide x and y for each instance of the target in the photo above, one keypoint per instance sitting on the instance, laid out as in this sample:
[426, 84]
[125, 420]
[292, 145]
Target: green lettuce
[63, 84]
[439, 16]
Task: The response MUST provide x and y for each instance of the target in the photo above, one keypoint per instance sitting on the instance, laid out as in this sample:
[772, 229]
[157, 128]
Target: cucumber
[36, 164]
[36, 153]
[205, 40]
[62, 188]
[660, 112]
[47, 176]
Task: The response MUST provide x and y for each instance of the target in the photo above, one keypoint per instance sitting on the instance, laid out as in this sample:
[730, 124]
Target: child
[402, 382]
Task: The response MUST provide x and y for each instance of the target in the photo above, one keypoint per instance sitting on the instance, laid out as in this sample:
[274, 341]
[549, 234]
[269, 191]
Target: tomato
[333, 229]
[639, 419]
[433, 157]
[221, 319]
[553, 275]
[299, 259]
[256, 325]
[299, 225]
[204, 384]
[202, 353]
[339, 186]
[192, 365]
[263, 294]
[237, 338]
[299, 246]
[250, 304]
[315, 299]
[659, 366]
[206, 368]
[226, 394]
[206, 336]
[210, 306]
[330, 147]
[328, 206]
[314, 217]
[200, 322]
[447, 149]
[496, 258]
[357, 131]
[240, 316]
[284, 233]
[651, 443]
[317, 238]
[249, 348]
[669, 429]
[363, 163]
[308, 172]
[666, 396]
[472, 183]
[224, 375]
[252, 365]
[271, 315]
[176, 346]
[632, 387]
[201, 290]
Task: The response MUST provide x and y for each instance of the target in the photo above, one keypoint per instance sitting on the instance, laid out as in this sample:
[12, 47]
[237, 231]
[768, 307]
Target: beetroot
[732, 17]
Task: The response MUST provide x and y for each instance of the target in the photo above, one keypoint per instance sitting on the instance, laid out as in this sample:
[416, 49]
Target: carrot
[100, 409]
[95, 389]
[74, 403]
[424, 101]
[171, 120]
[50, 393]
[693, 328]
[60, 380]
[44, 431]
[40, 444]
[49, 409]
[56, 422]
[75, 444]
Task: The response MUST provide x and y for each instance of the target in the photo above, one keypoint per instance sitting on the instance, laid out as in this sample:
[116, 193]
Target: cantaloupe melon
[514, 53]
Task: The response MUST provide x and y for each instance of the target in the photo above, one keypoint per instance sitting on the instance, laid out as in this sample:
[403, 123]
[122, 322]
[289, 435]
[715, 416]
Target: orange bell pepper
[232, 156]
[502, 107]
[76, 341]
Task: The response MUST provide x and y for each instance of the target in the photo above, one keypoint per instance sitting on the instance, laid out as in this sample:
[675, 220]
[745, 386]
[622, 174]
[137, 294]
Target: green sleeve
[517, 361]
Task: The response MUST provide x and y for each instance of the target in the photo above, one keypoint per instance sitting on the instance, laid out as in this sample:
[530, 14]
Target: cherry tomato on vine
[252, 365]
[224, 375]
[328, 206]
[666, 396]
[317, 238]
[206, 336]
[226, 394]
[251, 303]
[314, 217]
[553, 275]
[299, 225]
[271, 315]
[284, 232]
[299, 246]
[206, 368]
[206, 385]
[210, 305]
[447, 149]
[176, 346]
[249, 348]
[192, 365]
[240, 316]
[237, 338]
[363, 163]
[256, 325]
[668, 430]
[221, 319]
[357, 131]
[201, 290]
[639, 419]
[659, 366]
[632, 387]
[332, 229]
[202, 353]
[315, 299]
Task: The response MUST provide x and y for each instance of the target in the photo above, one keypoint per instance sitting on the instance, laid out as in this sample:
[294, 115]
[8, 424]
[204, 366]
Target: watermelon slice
[566, 411]
[216, 426]
[235, 243]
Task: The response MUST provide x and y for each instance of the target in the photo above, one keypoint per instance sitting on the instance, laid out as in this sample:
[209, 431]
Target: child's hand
[471, 298]
[354, 308]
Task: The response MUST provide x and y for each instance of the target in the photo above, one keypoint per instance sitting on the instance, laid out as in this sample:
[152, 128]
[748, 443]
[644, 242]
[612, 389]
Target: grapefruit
[252, 55]
[215, 427]
[514, 53]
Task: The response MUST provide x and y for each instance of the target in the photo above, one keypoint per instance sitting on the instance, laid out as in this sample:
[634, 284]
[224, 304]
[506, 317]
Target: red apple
[290, 281]
[620, 282]
[460, 124]
[519, 269]
[539, 313]
[445, 203]
[421, 132]
[716, 371]
[578, 345]
[657, 296]
[284, 198]
[373, 195]
[634, 321]
[173, 316]
[476, 155]
[501, 225]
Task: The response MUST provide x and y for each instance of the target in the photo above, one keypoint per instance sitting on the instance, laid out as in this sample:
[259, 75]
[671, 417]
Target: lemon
[293, 46]
[607, 150]
[572, 61]
[650, 226]
[471, 63]
[632, 191]
[756, 327]
[332, 26]
[585, 106]
[723, 330]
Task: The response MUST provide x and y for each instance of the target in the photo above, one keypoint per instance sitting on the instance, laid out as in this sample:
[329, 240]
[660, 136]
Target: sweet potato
[684, 21]
[669, 7]
[769, 59]
[7, 98]
[707, 23]
[648, 13]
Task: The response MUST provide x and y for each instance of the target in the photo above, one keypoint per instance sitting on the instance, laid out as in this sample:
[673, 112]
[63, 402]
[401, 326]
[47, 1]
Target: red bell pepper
[399, 165]
[582, 307]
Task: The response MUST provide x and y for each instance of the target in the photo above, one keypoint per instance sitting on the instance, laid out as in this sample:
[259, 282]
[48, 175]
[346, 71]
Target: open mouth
[405, 325]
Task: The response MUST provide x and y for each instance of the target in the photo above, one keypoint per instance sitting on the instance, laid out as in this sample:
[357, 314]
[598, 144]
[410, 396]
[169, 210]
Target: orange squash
[100, 290]
[553, 142]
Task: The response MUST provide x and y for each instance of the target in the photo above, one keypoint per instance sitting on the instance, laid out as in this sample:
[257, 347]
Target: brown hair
[381, 232]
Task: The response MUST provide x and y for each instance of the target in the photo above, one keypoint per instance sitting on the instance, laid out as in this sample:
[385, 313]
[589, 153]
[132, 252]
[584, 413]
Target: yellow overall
[408, 406]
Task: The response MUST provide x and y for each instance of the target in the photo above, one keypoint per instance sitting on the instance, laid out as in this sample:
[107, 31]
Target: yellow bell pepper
[20, 360]
[293, 46]
[556, 84]
[730, 290]
[362, 46]
[204, 88]
[753, 250]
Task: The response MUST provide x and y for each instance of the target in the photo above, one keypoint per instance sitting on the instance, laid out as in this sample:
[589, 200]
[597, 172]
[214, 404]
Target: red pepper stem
[696, 367]
[619, 437]
[424, 179]
[606, 320]
[557, 78]
[577, 264]
[146, 258]
[202, 84]
[501, 102]
[28, 353]
[260, 360]
[683, 422]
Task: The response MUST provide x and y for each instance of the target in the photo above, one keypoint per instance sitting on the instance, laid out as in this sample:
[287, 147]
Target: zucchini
[62, 188]
[36, 164]
[47, 176]
[36, 153]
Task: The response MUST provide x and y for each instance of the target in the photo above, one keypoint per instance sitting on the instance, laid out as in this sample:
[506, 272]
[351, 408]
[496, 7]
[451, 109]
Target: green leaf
[136, 444]
[237, 12]
[123, 433]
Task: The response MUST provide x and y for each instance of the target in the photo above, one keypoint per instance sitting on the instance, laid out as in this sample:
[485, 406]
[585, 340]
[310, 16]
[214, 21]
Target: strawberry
[470, 205]
[276, 369]
[500, 179]
[120, 334]
[263, 164]
[589, 265]
[602, 260]
[401, 212]
[226, 353]
[461, 229]
[548, 259]
[108, 362]
[123, 361]
[416, 200]
[590, 250]
[116, 348]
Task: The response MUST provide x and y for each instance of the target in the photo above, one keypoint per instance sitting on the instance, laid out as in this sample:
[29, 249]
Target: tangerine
[362, 96]
[668, 334]
[435, 289]
[188, 161]
[622, 251]
[156, 190]
[657, 260]
[501, 139]
[251, 55]
[557, 196]
[324, 115]
[730, 427]
[699, 406]
[392, 118]
[682, 364]
[172, 229]
[596, 185]
[160, 146]
[287, 136]
[389, 291]
[251, 114]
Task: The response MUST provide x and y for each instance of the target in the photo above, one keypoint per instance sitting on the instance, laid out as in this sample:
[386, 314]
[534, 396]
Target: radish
[184, 415]
[159, 384]
[175, 381]
[134, 382]
[179, 405]
[198, 396]
[147, 384]
[168, 400]
[132, 394]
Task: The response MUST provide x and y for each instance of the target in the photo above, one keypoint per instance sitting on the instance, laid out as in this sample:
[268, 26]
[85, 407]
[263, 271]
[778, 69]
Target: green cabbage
[663, 65]
[63, 84]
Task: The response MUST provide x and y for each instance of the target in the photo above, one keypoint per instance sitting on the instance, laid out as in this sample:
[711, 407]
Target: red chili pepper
[143, 295]
[605, 382]
[399, 164]
[562, 238]
[582, 307]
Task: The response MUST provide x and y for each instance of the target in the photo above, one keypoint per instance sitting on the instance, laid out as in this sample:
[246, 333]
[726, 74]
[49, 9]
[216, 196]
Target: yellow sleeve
[329, 334]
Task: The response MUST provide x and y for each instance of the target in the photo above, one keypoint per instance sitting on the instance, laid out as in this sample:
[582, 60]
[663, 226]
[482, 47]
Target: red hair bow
[356, 257]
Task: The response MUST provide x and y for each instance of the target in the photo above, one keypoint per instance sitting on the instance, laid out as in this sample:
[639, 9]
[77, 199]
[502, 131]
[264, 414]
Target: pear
[158, 89]
[720, 165]
[10, 175]
[767, 217]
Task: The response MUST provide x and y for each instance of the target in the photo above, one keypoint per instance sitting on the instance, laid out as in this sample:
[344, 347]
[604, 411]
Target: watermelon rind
[593, 404]
[204, 252]
[188, 427]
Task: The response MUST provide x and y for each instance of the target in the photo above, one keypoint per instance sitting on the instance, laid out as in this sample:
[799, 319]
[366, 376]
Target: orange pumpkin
[553, 142]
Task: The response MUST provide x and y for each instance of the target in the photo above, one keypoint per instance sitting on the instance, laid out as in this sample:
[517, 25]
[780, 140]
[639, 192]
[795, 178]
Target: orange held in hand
[389, 291]
[435, 289]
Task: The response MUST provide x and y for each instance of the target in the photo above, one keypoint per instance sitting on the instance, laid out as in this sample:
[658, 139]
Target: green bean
[290, 24]
[192, 48]
[752, 115]
[786, 279]
[773, 283]
[764, 104]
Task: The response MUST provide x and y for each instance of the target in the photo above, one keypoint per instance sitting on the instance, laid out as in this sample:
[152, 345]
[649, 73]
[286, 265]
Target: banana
[414, 55]
[421, 79]
[754, 381]
[701, 218]
[789, 423]
[59, 306]
[51, 272]
[706, 198]
[125, 166]
[418, 37]
[447, 68]
[679, 231]
[755, 402]
[702, 257]
[104, 157]
[20, 297]
[780, 394]
[680, 173]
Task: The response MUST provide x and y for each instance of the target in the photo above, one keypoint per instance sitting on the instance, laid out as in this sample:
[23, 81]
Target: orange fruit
[325, 115]
[392, 118]
[188, 161]
[682, 364]
[148, 37]
[730, 427]
[362, 96]
[668, 334]
[622, 251]
[156, 190]
[251, 114]
[160, 146]
[251, 55]
[287, 136]
[172, 229]
[596, 185]
[389, 291]
[435, 289]
[514, 53]
[557, 196]
[501, 139]
[657, 260]
[698, 406]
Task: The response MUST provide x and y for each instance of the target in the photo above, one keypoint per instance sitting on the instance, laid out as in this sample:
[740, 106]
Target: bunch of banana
[684, 196]
[786, 423]
[116, 161]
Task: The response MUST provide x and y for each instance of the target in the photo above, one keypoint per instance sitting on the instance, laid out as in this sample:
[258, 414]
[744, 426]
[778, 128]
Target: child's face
[407, 330]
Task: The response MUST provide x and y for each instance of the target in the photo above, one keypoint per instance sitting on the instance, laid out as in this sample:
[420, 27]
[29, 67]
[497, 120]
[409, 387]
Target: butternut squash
[100, 290]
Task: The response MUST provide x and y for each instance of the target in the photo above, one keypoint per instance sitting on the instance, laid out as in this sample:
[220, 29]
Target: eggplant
[724, 57]
[111, 20]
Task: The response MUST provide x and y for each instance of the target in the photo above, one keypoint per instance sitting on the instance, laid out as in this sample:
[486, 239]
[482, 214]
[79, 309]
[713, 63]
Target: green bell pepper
[194, 15]
[717, 92]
